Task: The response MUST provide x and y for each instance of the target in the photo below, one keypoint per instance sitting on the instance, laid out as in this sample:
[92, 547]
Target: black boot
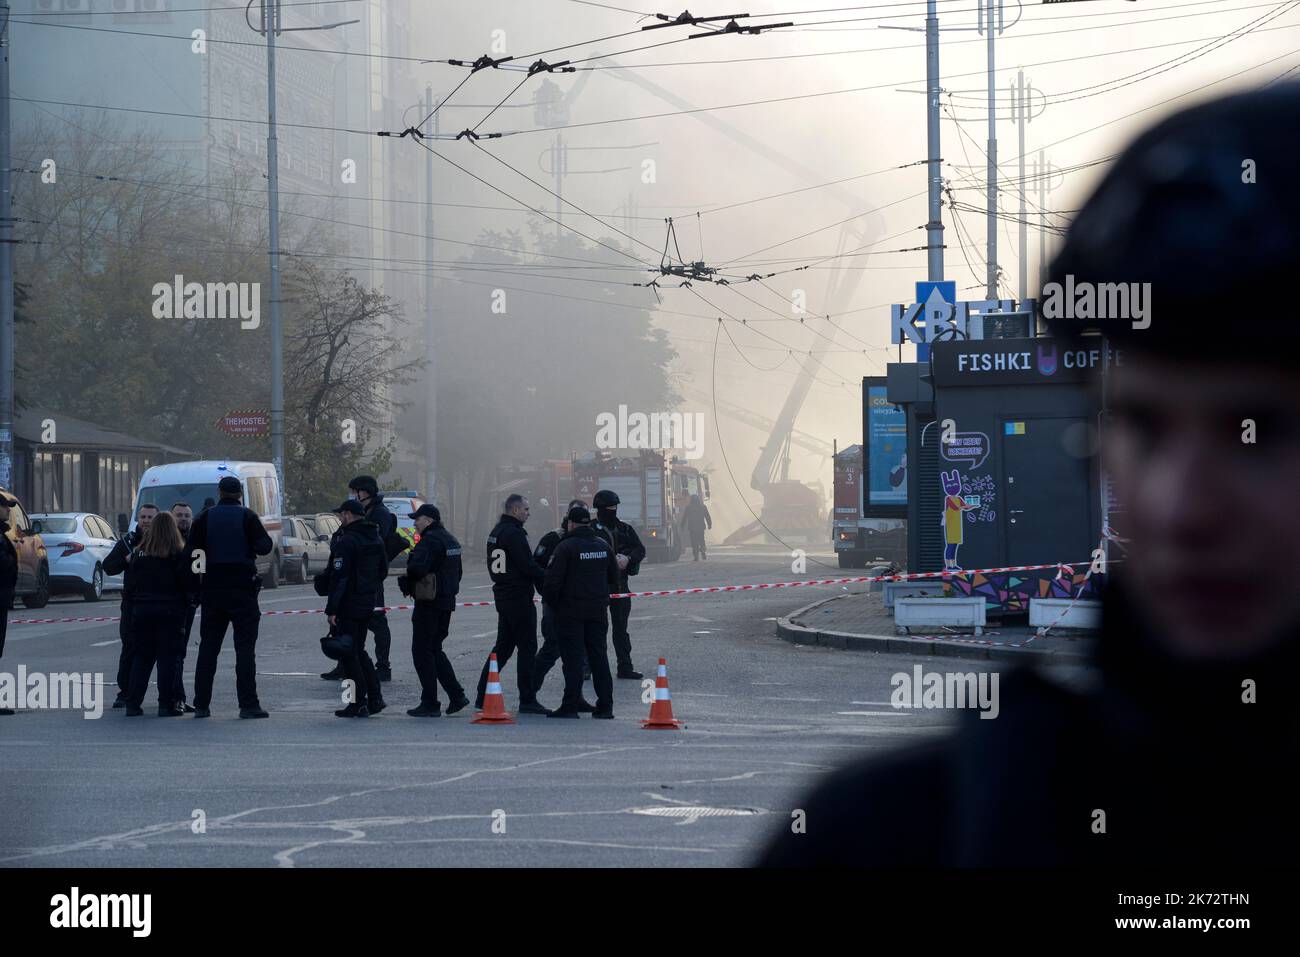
[425, 711]
[353, 711]
[458, 705]
[336, 674]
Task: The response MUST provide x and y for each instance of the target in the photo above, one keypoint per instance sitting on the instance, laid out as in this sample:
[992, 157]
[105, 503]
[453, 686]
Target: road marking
[875, 703]
[485, 634]
[890, 713]
[101, 644]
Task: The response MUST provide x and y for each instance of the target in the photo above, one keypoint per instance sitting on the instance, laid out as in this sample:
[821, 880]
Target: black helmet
[605, 499]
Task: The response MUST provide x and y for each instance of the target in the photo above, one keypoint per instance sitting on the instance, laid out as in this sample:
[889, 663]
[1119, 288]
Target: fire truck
[548, 486]
[653, 490]
[861, 541]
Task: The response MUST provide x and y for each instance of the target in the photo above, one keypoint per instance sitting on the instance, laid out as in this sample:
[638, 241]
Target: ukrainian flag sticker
[1015, 428]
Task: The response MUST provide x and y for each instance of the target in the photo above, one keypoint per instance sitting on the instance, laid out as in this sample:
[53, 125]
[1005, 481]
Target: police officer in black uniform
[629, 552]
[515, 578]
[549, 653]
[118, 562]
[437, 556]
[8, 574]
[366, 490]
[184, 516]
[228, 537]
[358, 567]
[579, 580]
[321, 582]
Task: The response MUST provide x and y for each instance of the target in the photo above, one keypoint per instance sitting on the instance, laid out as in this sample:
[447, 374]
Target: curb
[900, 644]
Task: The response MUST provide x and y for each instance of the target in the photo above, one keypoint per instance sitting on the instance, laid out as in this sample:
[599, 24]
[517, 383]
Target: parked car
[33, 585]
[305, 548]
[402, 504]
[77, 544]
[324, 523]
[196, 483]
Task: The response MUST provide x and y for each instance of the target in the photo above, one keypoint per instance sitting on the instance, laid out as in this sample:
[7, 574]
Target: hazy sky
[1101, 64]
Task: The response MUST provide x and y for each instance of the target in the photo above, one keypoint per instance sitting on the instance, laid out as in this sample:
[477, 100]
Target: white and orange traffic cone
[661, 709]
[494, 704]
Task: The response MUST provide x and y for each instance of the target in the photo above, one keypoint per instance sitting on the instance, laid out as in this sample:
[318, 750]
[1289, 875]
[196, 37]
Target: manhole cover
[691, 812]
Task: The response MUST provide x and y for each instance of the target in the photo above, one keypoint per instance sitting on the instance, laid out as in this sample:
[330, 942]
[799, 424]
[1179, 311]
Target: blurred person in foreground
[1189, 742]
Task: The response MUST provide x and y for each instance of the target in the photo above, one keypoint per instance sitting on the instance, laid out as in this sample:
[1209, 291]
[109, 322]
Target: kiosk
[1002, 441]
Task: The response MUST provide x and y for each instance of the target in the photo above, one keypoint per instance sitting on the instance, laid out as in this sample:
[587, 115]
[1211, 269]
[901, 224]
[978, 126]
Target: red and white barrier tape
[664, 593]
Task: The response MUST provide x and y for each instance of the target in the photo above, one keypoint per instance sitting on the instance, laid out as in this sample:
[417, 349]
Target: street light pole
[430, 356]
[272, 25]
[6, 268]
[986, 20]
[934, 228]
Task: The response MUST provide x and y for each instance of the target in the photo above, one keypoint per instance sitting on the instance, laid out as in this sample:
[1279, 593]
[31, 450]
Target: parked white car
[77, 544]
[305, 544]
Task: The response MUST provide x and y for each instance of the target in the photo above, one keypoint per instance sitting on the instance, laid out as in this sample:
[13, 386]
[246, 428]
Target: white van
[195, 483]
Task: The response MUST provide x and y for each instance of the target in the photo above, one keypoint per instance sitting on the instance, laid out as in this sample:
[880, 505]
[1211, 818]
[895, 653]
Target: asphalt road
[764, 720]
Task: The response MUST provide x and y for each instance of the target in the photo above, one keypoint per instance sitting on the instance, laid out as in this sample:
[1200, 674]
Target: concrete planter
[1082, 614]
[928, 612]
[892, 591]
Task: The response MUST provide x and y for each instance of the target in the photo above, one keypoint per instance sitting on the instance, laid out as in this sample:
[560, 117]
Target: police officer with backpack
[366, 491]
[358, 567]
[226, 539]
[579, 579]
[433, 579]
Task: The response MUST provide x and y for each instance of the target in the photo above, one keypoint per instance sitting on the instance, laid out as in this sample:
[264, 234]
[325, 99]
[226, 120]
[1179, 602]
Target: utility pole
[1042, 233]
[560, 163]
[1043, 172]
[986, 15]
[1021, 113]
[430, 357]
[6, 267]
[934, 228]
[272, 25]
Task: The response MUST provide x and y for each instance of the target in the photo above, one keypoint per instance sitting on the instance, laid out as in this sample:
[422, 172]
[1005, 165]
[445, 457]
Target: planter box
[929, 612]
[1083, 615]
[892, 591]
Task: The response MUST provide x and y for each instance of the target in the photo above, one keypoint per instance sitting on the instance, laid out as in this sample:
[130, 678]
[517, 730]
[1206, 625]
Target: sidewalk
[857, 620]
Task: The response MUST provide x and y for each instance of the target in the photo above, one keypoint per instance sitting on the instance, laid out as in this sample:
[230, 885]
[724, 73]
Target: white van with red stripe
[195, 483]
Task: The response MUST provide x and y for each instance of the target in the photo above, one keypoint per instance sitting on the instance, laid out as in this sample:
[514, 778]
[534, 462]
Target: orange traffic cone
[661, 710]
[494, 705]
